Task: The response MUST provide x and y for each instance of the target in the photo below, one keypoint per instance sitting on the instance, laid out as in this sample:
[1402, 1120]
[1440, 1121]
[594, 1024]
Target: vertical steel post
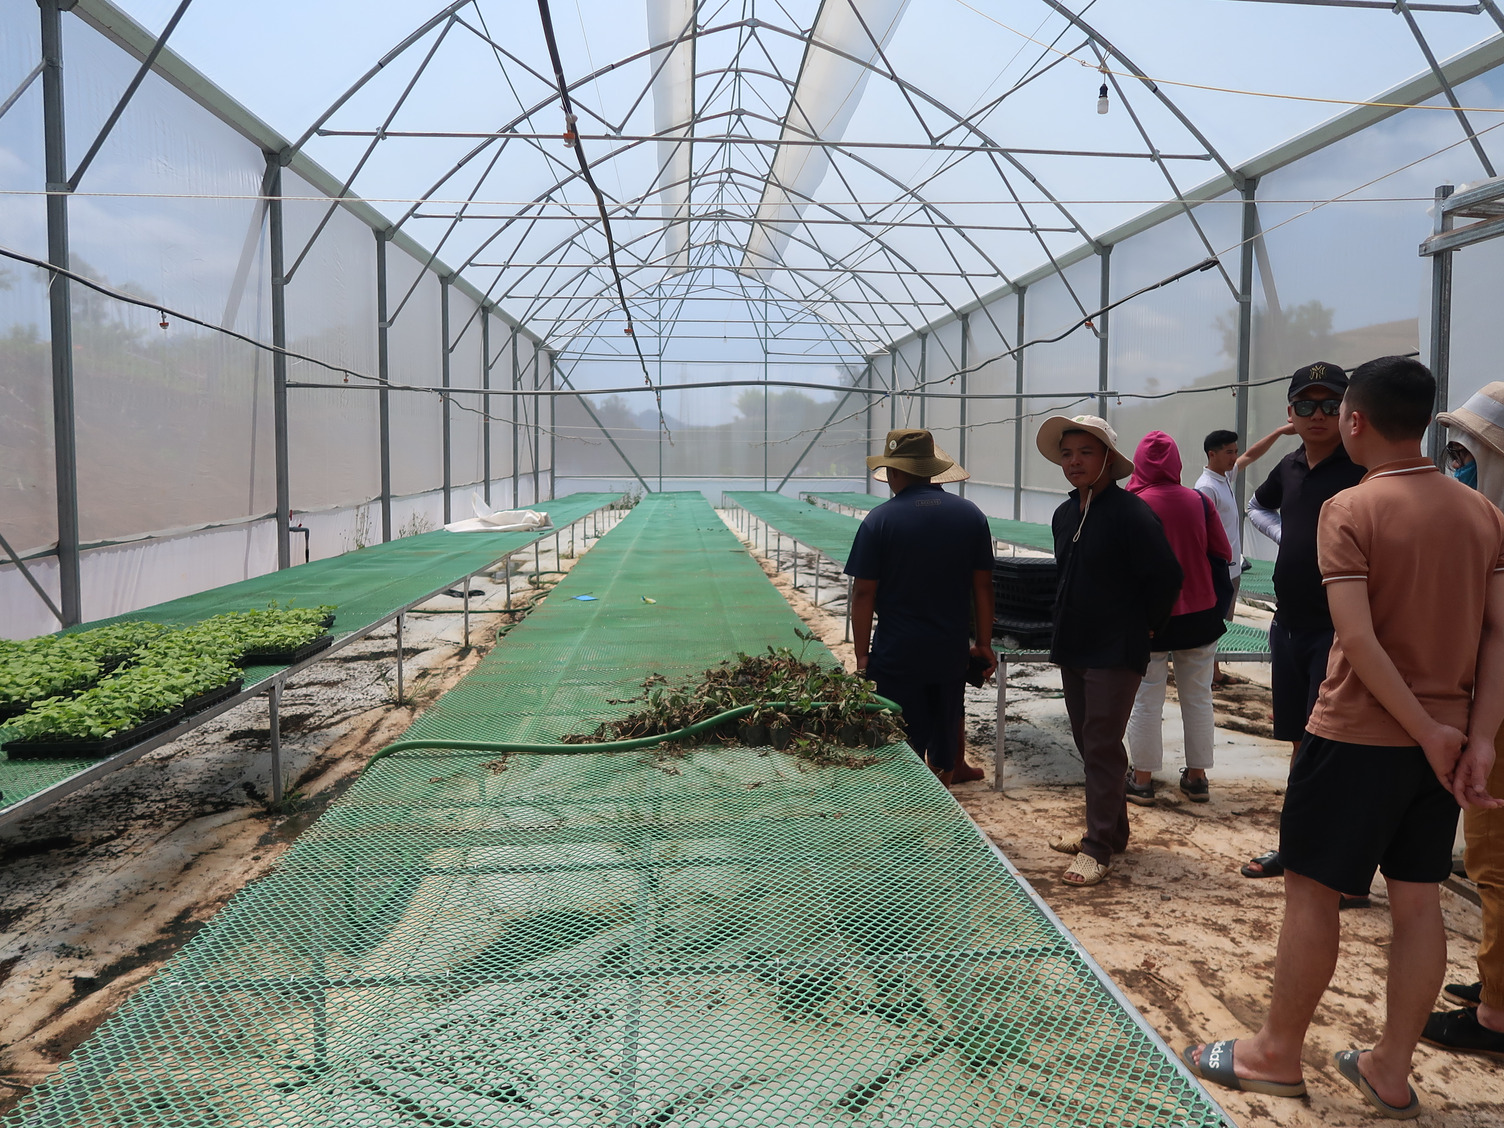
[399, 658]
[1104, 357]
[274, 729]
[444, 377]
[871, 377]
[1245, 318]
[893, 391]
[59, 296]
[961, 443]
[467, 609]
[279, 366]
[516, 486]
[924, 372]
[383, 397]
[537, 427]
[999, 762]
[485, 402]
[1441, 325]
[1018, 414]
[553, 434]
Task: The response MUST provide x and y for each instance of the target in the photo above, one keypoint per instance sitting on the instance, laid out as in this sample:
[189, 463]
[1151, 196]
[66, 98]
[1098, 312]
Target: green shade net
[727, 937]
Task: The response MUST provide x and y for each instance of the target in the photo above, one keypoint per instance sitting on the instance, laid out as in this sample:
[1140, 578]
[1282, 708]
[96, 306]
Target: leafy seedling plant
[818, 714]
[56, 681]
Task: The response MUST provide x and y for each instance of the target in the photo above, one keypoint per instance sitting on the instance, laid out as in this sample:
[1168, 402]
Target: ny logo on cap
[1318, 371]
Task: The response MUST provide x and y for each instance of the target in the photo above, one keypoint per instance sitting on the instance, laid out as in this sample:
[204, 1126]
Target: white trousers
[1193, 683]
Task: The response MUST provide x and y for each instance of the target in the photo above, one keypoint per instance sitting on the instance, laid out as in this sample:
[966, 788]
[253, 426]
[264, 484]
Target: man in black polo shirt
[1286, 509]
[921, 560]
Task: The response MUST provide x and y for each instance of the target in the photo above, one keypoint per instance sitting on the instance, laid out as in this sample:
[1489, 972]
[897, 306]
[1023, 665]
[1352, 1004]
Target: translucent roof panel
[876, 164]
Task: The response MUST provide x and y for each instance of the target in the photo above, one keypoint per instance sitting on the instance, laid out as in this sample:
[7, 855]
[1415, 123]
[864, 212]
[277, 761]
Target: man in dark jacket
[1118, 581]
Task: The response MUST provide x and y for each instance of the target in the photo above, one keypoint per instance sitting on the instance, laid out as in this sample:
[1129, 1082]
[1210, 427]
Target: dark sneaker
[1141, 794]
[1463, 994]
[1460, 1030]
[1196, 790]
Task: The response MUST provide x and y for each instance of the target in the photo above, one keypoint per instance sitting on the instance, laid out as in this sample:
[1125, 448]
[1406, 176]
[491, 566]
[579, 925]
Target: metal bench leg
[274, 726]
[999, 761]
[399, 658]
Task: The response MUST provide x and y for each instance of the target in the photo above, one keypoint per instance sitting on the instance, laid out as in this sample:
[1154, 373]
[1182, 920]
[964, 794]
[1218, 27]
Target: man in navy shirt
[922, 561]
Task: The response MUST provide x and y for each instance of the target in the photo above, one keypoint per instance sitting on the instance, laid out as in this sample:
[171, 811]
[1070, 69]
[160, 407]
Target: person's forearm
[863, 602]
[1261, 448]
[1353, 620]
[1266, 521]
[984, 602]
[1487, 714]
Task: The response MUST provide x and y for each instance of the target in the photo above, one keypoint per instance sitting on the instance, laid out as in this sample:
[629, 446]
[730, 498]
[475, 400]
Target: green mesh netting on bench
[726, 937]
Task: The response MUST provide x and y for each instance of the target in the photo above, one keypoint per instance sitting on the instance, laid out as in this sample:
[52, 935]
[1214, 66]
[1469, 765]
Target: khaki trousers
[1484, 834]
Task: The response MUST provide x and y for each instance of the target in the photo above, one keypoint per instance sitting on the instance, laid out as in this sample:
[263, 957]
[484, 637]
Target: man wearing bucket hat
[1478, 426]
[1118, 581]
[961, 771]
[921, 561]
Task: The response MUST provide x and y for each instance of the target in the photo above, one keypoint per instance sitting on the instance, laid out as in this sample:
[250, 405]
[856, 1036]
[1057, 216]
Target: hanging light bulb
[1102, 99]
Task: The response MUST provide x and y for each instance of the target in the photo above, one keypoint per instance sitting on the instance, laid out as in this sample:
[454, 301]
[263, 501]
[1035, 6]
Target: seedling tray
[1024, 587]
[90, 749]
[212, 697]
[285, 657]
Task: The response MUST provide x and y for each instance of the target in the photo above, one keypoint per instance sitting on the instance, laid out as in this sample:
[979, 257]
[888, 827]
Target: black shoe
[1196, 790]
[1460, 1030]
[1142, 794]
[1463, 994]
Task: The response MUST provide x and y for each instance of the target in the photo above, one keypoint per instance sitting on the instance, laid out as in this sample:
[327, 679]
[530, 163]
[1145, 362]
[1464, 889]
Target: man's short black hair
[1217, 440]
[1396, 393]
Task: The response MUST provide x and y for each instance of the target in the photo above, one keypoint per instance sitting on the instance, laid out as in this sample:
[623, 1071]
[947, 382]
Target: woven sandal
[1085, 870]
[1066, 845]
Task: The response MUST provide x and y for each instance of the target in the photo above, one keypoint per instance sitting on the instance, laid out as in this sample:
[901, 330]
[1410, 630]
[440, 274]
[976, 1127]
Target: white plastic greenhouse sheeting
[120, 578]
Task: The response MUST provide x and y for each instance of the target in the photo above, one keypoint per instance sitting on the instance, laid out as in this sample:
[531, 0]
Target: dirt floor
[97, 892]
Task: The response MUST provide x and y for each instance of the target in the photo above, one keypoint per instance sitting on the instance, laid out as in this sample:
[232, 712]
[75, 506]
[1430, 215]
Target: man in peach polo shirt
[1401, 736]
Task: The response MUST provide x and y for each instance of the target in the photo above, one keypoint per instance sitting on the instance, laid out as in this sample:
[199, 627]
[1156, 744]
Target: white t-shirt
[1218, 489]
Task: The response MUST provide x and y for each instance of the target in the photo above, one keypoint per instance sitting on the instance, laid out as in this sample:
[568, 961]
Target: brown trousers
[1099, 703]
[1484, 832]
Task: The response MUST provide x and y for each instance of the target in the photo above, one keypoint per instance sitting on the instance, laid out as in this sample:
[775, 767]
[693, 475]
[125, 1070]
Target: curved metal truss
[722, 145]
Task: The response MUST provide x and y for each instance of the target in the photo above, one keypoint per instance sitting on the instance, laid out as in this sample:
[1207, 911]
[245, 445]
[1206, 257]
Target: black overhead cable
[572, 140]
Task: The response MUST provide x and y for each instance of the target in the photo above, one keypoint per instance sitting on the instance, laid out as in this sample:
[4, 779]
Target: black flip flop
[1270, 866]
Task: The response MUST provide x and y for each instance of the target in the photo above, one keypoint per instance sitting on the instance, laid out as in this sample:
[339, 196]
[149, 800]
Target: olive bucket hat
[913, 452]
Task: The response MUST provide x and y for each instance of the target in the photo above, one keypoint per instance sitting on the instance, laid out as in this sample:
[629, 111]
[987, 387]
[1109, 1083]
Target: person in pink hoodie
[1190, 637]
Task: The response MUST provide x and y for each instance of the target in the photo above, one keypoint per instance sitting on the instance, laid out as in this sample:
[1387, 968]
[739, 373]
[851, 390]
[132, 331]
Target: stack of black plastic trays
[1024, 590]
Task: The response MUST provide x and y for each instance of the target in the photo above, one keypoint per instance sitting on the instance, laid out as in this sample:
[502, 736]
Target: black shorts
[1297, 667]
[1355, 808]
[933, 714]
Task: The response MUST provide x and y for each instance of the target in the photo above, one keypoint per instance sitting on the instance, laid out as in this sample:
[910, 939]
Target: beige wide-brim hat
[1482, 416]
[954, 474]
[912, 451]
[1119, 465]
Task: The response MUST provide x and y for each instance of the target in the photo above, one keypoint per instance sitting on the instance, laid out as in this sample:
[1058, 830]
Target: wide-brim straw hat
[1119, 465]
[912, 451]
[954, 474]
[1482, 416]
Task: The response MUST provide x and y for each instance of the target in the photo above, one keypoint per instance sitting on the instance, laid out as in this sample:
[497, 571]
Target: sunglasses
[1307, 408]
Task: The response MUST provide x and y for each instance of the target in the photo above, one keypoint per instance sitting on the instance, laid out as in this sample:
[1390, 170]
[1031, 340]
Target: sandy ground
[1188, 939]
[97, 892]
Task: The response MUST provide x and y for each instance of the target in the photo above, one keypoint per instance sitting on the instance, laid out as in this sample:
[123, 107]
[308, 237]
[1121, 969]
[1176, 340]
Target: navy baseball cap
[1322, 374]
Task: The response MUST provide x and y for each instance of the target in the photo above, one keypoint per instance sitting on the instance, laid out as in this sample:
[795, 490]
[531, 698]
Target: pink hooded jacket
[1191, 525]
